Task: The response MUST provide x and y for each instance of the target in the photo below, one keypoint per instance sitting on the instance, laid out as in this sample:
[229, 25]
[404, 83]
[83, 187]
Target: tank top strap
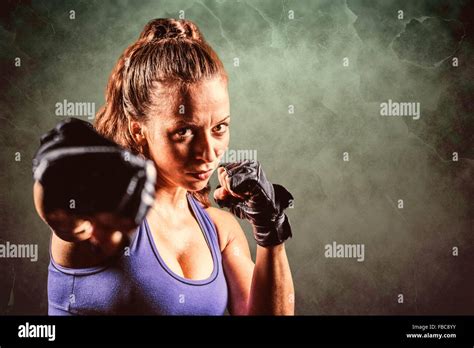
[206, 222]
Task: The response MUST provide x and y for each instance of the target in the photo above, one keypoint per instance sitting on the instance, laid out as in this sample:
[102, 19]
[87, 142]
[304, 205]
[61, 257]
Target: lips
[201, 175]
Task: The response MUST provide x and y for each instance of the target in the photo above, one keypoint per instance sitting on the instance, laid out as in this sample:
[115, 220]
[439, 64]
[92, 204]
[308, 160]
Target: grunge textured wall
[308, 84]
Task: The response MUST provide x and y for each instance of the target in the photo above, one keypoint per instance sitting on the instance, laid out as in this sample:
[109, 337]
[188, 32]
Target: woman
[167, 101]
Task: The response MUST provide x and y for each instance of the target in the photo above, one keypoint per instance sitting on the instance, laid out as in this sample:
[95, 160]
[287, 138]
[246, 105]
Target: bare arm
[272, 290]
[263, 288]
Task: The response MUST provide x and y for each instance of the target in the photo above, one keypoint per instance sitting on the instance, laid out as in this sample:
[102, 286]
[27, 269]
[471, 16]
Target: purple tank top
[139, 282]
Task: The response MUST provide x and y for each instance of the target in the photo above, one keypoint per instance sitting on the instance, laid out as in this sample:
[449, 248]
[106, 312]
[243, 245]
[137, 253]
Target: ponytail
[169, 51]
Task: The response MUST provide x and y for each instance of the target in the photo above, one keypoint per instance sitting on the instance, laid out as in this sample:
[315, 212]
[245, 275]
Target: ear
[137, 132]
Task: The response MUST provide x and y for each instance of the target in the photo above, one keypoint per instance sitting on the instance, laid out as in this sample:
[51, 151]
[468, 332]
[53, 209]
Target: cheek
[167, 154]
[222, 146]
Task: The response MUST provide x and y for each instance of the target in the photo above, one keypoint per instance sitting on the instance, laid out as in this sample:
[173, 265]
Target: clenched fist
[245, 190]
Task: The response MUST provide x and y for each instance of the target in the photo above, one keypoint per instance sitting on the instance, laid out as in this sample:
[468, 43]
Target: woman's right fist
[79, 174]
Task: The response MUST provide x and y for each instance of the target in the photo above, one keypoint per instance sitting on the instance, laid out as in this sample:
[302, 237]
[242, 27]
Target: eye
[183, 133]
[221, 128]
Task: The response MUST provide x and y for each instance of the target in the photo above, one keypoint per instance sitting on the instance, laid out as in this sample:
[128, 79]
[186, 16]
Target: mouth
[201, 175]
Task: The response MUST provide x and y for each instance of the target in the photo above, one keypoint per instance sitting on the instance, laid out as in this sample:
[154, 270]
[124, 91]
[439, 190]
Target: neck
[170, 199]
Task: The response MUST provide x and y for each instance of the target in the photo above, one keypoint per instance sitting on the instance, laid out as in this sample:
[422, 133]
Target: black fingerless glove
[84, 173]
[263, 205]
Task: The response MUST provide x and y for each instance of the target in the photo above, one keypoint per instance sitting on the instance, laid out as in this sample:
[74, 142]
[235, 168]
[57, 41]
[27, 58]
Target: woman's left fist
[245, 190]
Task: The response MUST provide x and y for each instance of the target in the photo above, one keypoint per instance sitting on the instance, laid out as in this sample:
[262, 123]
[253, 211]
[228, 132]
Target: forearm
[272, 291]
[249, 195]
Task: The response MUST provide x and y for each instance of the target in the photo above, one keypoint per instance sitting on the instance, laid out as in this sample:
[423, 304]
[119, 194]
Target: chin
[197, 186]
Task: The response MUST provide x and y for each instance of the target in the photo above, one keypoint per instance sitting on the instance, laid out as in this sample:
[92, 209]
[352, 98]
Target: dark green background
[286, 62]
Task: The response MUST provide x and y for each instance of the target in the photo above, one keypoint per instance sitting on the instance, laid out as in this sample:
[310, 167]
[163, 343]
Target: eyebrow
[190, 123]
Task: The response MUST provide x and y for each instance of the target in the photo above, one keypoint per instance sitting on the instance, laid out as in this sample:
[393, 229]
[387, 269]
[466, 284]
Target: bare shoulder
[226, 224]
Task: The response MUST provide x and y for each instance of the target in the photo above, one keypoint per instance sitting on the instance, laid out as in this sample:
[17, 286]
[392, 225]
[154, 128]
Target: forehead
[197, 103]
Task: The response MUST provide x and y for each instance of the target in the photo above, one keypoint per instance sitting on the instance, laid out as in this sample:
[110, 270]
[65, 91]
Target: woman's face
[188, 136]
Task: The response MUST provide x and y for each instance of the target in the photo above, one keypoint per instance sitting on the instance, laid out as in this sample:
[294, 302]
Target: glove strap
[274, 234]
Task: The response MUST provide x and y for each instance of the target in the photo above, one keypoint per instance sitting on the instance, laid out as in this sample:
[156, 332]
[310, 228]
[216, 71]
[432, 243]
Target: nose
[205, 149]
